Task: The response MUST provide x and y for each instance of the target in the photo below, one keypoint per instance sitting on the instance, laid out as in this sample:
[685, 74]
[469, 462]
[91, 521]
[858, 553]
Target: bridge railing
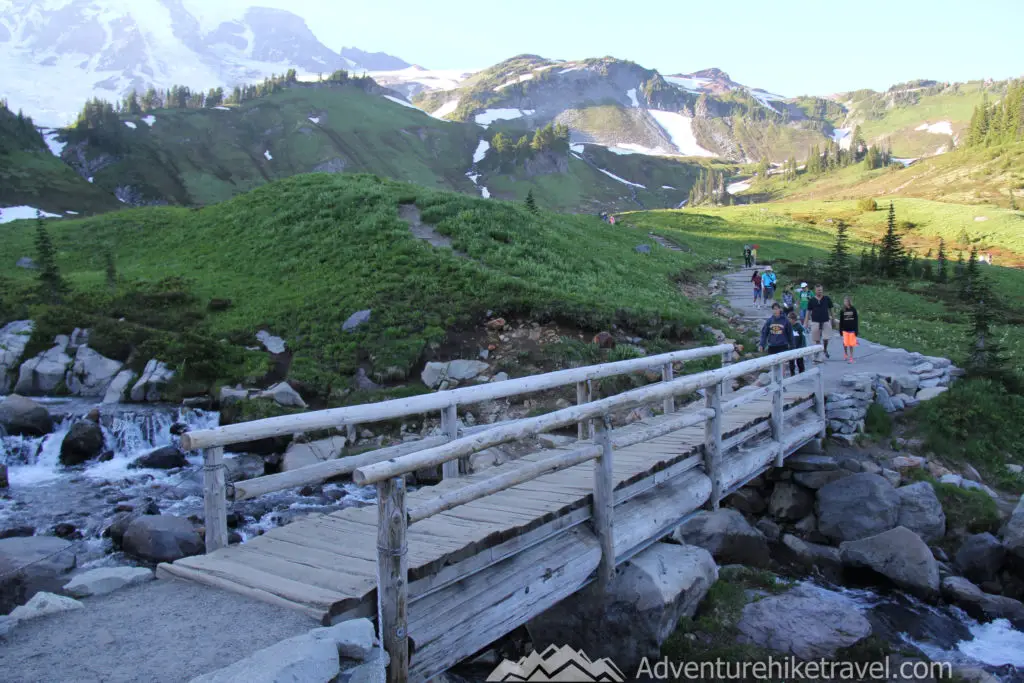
[394, 516]
[211, 441]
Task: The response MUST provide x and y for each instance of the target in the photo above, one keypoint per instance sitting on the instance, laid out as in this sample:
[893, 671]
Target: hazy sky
[789, 46]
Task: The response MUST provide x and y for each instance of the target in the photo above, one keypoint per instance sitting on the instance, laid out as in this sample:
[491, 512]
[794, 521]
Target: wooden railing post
[819, 401]
[450, 427]
[777, 406]
[392, 576]
[604, 503]
[581, 398]
[215, 501]
[667, 374]
[350, 434]
[713, 444]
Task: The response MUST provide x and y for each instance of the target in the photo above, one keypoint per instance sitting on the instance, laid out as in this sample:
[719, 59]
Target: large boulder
[163, 458]
[283, 394]
[1013, 534]
[727, 536]
[153, 382]
[300, 455]
[105, 580]
[20, 416]
[790, 502]
[161, 538]
[815, 480]
[460, 370]
[43, 604]
[118, 387]
[45, 373]
[83, 442]
[747, 500]
[641, 608]
[14, 338]
[91, 373]
[900, 556]
[43, 561]
[980, 557]
[271, 343]
[806, 622]
[981, 605]
[810, 556]
[856, 507]
[308, 658]
[921, 511]
[242, 466]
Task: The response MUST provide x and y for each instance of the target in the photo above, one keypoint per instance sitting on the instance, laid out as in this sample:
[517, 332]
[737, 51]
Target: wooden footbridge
[448, 569]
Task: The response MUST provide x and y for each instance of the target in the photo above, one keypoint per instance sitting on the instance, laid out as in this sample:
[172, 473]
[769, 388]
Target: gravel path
[164, 631]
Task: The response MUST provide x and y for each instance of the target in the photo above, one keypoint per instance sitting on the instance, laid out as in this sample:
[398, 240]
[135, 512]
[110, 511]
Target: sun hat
[768, 268]
[802, 285]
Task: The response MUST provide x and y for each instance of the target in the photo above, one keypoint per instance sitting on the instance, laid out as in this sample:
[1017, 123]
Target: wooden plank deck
[326, 565]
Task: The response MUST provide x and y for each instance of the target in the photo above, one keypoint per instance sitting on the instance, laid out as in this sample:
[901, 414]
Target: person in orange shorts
[849, 328]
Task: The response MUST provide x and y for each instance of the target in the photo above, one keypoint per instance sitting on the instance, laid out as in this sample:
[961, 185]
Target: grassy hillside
[914, 315]
[299, 256]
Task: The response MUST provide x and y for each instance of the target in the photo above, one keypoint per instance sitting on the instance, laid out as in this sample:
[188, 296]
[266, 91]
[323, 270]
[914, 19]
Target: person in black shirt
[848, 326]
[819, 309]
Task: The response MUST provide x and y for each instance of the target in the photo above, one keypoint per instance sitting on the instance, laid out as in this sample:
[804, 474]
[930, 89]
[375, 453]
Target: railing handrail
[438, 455]
[416, 405]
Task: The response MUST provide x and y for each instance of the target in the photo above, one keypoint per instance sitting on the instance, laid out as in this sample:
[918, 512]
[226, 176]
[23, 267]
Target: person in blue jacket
[777, 333]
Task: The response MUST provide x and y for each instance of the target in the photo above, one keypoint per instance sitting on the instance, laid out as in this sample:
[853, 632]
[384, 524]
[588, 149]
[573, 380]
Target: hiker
[611, 219]
[799, 342]
[756, 279]
[848, 326]
[805, 297]
[819, 309]
[768, 281]
[746, 256]
[787, 302]
[753, 256]
[776, 334]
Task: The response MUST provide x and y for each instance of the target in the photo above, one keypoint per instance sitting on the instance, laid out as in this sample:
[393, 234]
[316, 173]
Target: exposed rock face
[980, 557]
[118, 387]
[1013, 533]
[856, 507]
[727, 536]
[83, 442]
[151, 385]
[14, 337]
[807, 622]
[163, 458]
[981, 605]
[434, 374]
[283, 394]
[91, 373]
[811, 555]
[642, 606]
[106, 580]
[161, 538]
[20, 416]
[921, 511]
[900, 556]
[790, 502]
[300, 455]
[45, 373]
[44, 562]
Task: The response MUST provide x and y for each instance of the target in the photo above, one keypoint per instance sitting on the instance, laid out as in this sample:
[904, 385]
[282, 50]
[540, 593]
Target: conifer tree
[892, 258]
[970, 276]
[1013, 201]
[111, 268]
[927, 270]
[958, 272]
[942, 275]
[531, 203]
[839, 259]
[51, 284]
[984, 353]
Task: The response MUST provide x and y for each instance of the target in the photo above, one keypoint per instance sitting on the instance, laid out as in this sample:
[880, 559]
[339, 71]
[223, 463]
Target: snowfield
[625, 148]
[18, 213]
[446, 109]
[473, 176]
[485, 193]
[402, 102]
[314, 119]
[940, 128]
[489, 116]
[737, 187]
[680, 131]
[576, 148]
[631, 94]
[766, 99]
[130, 125]
[268, 155]
[222, 108]
[55, 145]
[691, 84]
[149, 120]
[667, 187]
[842, 137]
[481, 151]
[521, 79]
[571, 68]
[431, 80]
[624, 182]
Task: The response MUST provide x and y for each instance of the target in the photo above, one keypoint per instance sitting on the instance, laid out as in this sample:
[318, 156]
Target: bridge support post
[351, 434]
[604, 503]
[450, 427]
[819, 404]
[713, 443]
[777, 407]
[215, 502]
[392, 576]
[667, 374]
[584, 394]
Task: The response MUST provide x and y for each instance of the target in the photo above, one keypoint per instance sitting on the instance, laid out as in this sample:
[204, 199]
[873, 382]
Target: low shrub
[867, 204]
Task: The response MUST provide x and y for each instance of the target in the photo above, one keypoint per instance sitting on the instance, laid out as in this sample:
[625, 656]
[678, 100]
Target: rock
[373, 669]
[83, 442]
[20, 416]
[1013, 532]
[283, 394]
[242, 466]
[163, 458]
[356, 319]
[44, 374]
[892, 476]
[26, 263]
[497, 324]
[812, 463]
[954, 479]
[434, 374]
[815, 480]
[500, 377]
[271, 343]
[769, 528]
[981, 605]
[807, 622]
[747, 500]
[4, 481]
[921, 511]
[118, 386]
[604, 340]
[906, 383]
[232, 394]
[641, 608]
[364, 383]
[14, 337]
[354, 638]
[726, 535]
[554, 440]
[91, 373]
[308, 658]
[856, 507]
[106, 580]
[43, 604]
[811, 555]
[971, 474]
[1015, 469]
[150, 386]
[29, 564]
[790, 502]
[930, 392]
[900, 556]
[907, 462]
[980, 557]
[161, 538]
[806, 526]
[300, 455]
[642, 249]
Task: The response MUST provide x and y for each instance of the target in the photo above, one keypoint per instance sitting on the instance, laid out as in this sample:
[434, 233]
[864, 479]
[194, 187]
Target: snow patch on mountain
[481, 151]
[625, 148]
[402, 102]
[130, 124]
[268, 155]
[416, 79]
[484, 192]
[576, 148]
[18, 213]
[631, 94]
[940, 128]
[739, 186]
[149, 120]
[680, 131]
[691, 84]
[223, 108]
[621, 180]
[445, 109]
[489, 116]
[55, 145]
[520, 79]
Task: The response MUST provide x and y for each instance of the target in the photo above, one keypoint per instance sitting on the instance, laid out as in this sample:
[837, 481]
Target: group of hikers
[791, 319]
[749, 255]
[607, 217]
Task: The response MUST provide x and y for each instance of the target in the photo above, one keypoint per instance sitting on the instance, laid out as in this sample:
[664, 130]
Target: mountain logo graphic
[558, 664]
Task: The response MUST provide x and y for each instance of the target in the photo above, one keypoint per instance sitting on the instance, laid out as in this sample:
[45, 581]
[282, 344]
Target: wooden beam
[713, 443]
[215, 501]
[667, 374]
[582, 433]
[747, 397]
[568, 416]
[802, 377]
[603, 503]
[819, 400]
[777, 410]
[624, 439]
[450, 427]
[426, 403]
[392, 577]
